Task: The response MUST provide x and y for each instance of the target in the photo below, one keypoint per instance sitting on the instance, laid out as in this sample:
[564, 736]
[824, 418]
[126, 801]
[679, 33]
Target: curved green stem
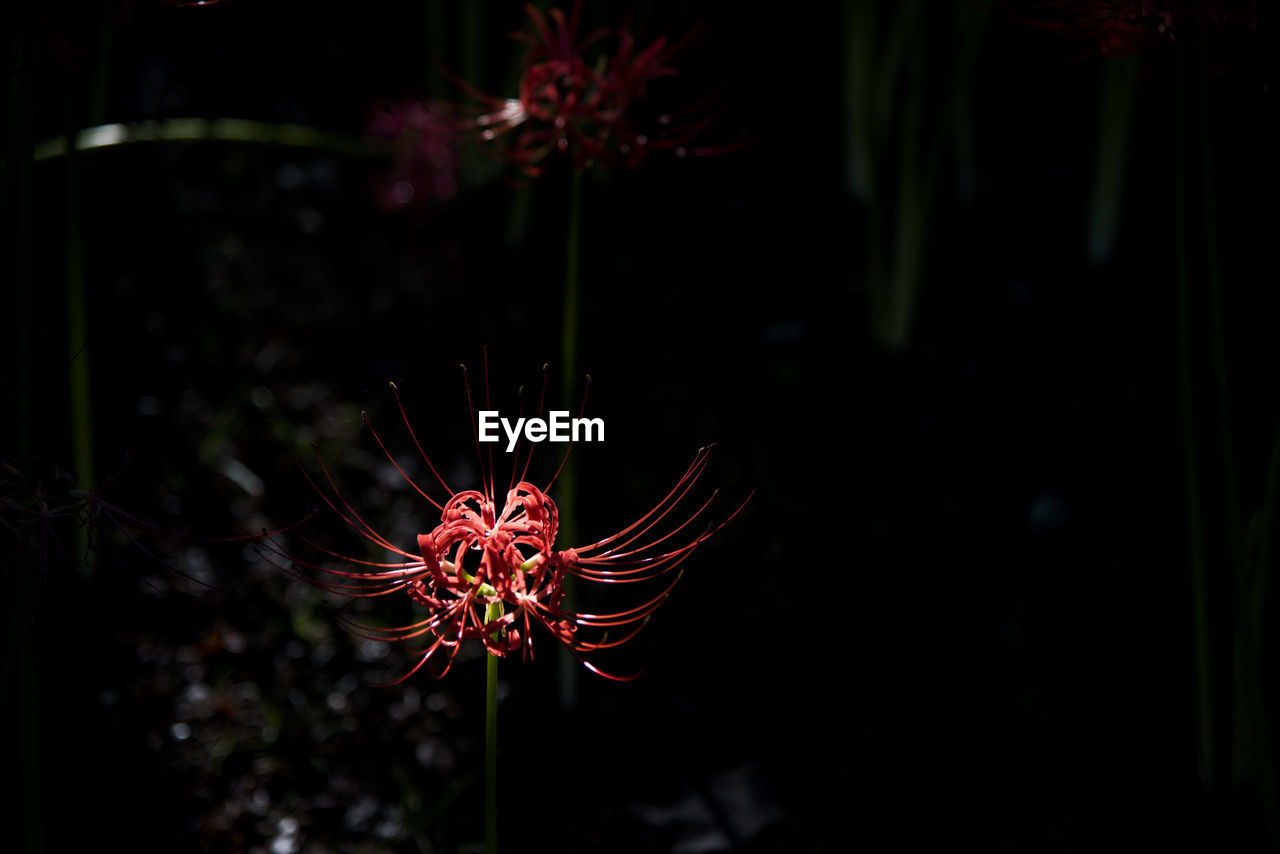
[210, 130]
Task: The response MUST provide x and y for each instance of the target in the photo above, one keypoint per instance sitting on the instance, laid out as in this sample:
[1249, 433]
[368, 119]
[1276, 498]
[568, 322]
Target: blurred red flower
[576, 98]
[424, 153]
[580, 100]
[1123, 27]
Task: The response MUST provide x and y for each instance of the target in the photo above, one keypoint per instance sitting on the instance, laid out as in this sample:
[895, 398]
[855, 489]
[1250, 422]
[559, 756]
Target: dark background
[958, 609]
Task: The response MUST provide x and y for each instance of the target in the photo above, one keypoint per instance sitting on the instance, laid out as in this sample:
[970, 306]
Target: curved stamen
[394, 462]
[405, 417]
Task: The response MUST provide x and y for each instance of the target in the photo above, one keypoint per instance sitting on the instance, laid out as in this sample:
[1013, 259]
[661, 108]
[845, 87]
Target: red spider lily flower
[492, 572]
[585, 109]
[1123, 27]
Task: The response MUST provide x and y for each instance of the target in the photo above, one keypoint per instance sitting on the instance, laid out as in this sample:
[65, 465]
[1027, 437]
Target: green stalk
[970, 29]
[493, 612]
[911, 220]
[567, 484]
[1252, 752]
[78, 379]
[1243, 761]
[898, 220]
[1190, 460]
[1115, 123]
[866, 75]
[858, 23]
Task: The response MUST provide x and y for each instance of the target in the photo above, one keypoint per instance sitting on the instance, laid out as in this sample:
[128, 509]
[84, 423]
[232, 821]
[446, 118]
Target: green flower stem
[567, 484]
[78, 379]
[493, 612]
[910, 223]
[1251, 747]
[885, 92]
[1116, 101]
[858, 23]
